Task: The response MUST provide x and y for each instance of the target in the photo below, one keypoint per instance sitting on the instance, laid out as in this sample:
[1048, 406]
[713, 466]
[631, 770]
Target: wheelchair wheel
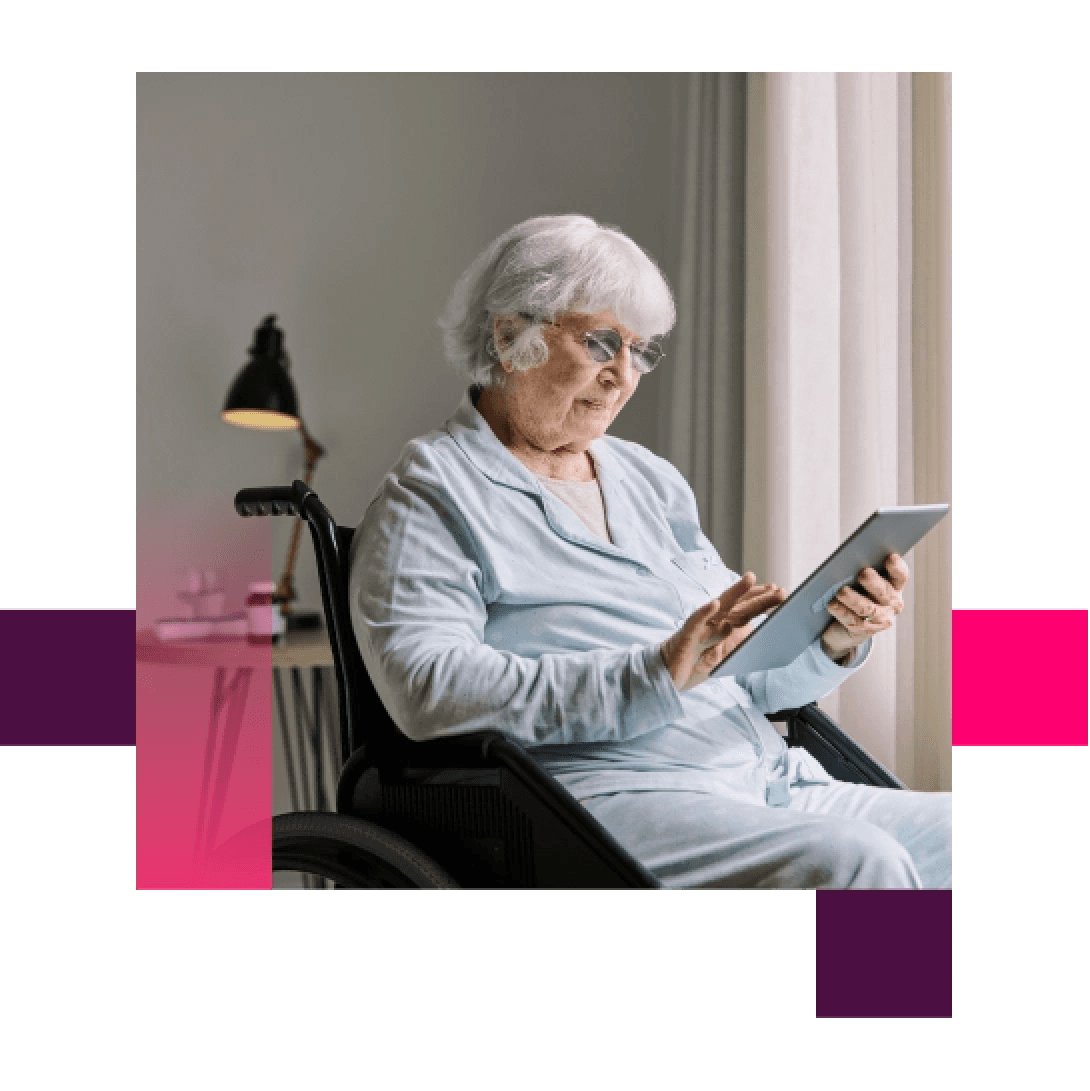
[351, 853]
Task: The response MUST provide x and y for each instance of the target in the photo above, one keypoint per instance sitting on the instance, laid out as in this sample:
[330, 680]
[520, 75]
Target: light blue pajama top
[480, 600]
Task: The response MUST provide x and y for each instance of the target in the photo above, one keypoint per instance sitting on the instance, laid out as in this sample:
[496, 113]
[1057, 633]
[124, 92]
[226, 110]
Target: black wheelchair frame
[505, 822]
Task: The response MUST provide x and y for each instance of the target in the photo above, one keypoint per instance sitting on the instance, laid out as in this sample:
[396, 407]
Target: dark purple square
[70, 677]
[884, 954]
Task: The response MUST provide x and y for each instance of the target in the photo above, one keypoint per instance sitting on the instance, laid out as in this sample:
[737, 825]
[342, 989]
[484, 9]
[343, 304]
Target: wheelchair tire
[352, 853]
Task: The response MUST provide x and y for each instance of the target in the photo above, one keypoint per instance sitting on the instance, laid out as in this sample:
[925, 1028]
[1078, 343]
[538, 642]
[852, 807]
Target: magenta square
[884, 954]
[993, 651]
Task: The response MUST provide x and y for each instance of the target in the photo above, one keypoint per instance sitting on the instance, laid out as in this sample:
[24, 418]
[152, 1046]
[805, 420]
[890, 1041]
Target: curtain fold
[792, 517]
[869, 177]
[704, 434]
[932, 350]
[812, 342]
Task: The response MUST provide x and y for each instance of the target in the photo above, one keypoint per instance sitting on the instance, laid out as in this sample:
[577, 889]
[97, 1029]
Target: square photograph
[544, 480]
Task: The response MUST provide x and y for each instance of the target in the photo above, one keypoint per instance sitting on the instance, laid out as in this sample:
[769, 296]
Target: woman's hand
[716, 629]
[859, 617]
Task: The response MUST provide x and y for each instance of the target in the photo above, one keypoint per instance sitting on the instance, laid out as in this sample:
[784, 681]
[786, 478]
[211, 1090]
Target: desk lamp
[263, 397]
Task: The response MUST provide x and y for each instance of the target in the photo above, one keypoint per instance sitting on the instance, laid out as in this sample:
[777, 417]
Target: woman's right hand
[715, 630]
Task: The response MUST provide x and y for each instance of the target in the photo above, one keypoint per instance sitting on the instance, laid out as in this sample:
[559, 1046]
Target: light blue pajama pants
[835, 836]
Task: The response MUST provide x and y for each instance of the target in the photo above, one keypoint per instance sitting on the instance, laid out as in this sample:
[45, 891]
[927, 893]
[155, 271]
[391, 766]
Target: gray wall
[347, 205]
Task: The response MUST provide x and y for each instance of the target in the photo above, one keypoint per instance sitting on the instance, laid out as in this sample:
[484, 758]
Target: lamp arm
[285, 588]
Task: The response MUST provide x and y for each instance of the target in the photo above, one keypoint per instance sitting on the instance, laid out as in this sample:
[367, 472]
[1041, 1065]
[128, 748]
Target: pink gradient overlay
[204, 812]
[173, 712]
[990, 655]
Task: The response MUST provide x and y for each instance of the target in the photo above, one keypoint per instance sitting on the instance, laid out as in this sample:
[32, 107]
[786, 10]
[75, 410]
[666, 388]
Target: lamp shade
[263, 395]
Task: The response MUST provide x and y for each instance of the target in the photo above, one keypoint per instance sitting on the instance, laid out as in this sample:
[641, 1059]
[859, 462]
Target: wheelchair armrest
[842, 756]
[493, 750]
[566, 809]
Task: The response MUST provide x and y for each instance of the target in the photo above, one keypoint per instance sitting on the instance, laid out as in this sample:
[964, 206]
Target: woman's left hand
[860, 616]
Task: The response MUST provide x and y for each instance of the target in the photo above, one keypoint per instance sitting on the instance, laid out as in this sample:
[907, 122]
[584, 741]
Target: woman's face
[569, 401]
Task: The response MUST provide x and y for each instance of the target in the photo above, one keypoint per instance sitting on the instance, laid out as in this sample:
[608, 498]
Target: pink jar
[262, 613]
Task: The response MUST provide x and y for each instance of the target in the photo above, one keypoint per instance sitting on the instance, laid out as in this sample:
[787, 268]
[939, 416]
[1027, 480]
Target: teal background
[546, 990]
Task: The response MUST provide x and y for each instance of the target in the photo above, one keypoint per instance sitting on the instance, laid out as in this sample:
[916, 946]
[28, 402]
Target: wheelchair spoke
[285, 738]
[299, 708]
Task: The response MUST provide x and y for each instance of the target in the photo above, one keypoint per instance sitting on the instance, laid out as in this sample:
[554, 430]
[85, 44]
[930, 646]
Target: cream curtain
[844, 339]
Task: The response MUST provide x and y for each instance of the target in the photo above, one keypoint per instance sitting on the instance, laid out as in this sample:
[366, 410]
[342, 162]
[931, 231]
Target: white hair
[540, 269]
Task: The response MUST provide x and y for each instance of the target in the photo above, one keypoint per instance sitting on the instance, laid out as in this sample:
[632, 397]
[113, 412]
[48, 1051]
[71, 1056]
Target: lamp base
[303, 621]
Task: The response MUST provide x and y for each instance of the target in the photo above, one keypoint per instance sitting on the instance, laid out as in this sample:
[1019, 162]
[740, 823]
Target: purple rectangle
[70, 677]
[884, 954]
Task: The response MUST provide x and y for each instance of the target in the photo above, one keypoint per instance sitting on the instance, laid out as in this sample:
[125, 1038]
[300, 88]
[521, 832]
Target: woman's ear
[505, 328]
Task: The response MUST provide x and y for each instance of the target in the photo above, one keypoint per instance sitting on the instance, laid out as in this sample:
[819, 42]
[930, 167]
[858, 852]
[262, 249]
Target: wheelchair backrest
[364, 720]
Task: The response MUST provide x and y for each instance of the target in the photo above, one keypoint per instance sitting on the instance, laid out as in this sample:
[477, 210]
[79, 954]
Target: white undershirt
[585, 499]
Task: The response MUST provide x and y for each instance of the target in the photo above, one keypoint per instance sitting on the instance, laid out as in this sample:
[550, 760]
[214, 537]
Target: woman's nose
[619, 370]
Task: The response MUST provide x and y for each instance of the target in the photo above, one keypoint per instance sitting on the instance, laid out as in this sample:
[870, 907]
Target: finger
[700, 619]
[739, 589]
[848, 618]
[853, 631]
[755, 605]
[898, 571]
[878, 622]
[766, 594]
[859, 604]
[763, 589]
[853, 622]
[726, 624]
[880, 589]
[734, 594]
[864, 607]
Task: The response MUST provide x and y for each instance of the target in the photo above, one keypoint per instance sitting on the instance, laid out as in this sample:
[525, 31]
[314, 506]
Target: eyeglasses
[603, 345]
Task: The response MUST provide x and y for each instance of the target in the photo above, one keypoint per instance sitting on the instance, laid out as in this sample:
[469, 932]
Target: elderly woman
[521, 570]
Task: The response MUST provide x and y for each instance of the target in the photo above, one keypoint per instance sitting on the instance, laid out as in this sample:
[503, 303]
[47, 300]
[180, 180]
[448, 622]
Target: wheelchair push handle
[273, 500]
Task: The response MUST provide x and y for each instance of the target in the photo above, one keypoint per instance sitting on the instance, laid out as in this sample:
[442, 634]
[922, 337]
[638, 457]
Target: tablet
[787, 632]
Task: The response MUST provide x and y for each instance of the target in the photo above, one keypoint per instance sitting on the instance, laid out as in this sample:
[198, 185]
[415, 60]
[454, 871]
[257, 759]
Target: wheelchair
[473, 810]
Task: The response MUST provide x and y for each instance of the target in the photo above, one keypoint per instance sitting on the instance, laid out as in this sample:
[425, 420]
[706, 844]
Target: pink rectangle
[204, 776]
[994, 653]
[204, 731]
